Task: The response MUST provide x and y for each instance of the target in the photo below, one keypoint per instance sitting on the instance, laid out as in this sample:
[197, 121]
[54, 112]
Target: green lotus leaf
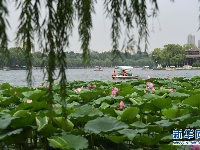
[167, 138]
[174, 113]
[119, 112]
[104, 105]
[187, 85]
[116, 139]
[4, 123]
[194, 124]
[72, 98]
[23, 121]
[138, 124]
[90, 95]
[170, 147]
[104, 124]
[75, 142]
[6, 101]
[87, 110]
[193, 100]
[73, 104]
[103, 99]
[63, 123]
[155, 128]
[183, 117]
[41, 122]
[109, 111]
[57, 142]
[5, 86]
[20, 113]
[150, 96]
[126, 89]
[161, 103]
[34, 95]
[129, 114]
[129, 133]
[178, 95]
[165, 123]
[7, 134]
[69, 142]
[34, 106]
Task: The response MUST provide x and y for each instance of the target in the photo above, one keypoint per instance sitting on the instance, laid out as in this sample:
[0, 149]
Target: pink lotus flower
[171, 90]
[195, 147]
[149, 84]
[148, 77]
[94, 86]
[46, 85]
[153, 89]
[29, 101]
[115, 89]
[161, 88]
[114, 93]
[79, 89]
[121, 105]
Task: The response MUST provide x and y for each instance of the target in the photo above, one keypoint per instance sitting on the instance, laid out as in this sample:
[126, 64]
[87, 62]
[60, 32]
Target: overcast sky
[176, 20]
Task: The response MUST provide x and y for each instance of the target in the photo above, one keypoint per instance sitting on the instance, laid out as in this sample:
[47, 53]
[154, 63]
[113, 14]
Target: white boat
[146, 68]
[127, 69]
[170, 68]
[98, 68]
[6, 68]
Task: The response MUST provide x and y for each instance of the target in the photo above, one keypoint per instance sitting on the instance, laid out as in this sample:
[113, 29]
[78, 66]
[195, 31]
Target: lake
[18, 77]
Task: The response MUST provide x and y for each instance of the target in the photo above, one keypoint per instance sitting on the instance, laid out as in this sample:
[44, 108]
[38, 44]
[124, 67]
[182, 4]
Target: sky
[175, 21]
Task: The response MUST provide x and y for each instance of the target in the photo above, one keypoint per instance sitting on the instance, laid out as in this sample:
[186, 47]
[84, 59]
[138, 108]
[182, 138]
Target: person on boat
[124, 73]
[114, 74]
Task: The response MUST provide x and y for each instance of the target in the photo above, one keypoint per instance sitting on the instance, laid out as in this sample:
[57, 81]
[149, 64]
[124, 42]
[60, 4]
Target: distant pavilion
[192, 55]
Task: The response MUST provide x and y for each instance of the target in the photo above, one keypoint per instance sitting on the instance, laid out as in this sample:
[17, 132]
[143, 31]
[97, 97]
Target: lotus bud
[145, 117]
[138, 116]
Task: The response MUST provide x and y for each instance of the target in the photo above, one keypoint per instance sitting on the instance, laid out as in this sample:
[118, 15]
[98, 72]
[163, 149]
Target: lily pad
[104, 124]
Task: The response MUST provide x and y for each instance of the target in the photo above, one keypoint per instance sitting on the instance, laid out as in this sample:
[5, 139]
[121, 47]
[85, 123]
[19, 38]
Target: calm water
[18, 77]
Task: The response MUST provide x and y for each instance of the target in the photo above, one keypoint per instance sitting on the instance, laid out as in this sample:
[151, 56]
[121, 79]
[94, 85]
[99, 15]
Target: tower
[191, 39]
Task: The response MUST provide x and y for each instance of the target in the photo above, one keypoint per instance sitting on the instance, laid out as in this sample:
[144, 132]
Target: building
[191, 39]
[192, 55]
[198, 43]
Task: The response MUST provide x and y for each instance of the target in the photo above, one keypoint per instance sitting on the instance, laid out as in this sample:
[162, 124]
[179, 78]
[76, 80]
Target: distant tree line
[16, 59]
[171, 55]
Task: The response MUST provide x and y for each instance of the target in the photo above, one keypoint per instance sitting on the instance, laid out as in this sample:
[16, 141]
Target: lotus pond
[136, 114]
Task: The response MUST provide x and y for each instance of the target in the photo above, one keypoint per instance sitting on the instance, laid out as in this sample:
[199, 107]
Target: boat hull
[125, 77]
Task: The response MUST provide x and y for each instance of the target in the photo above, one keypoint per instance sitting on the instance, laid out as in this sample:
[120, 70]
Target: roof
[192, 56]
[193, 49]
[125, 67]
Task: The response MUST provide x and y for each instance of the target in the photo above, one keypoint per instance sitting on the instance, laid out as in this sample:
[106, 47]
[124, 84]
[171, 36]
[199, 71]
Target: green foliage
[147, 117]
[170, 55]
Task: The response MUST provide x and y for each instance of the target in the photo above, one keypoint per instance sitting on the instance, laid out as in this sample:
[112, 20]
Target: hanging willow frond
[85, 8]
[29, 22]
[3, 26]
[113, 10]
[64, 24]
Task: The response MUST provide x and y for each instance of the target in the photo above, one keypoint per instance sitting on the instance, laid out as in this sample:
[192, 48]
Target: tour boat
[146, 68]
[170, 68]
[119, 70]
[98, 68]
[6, 68]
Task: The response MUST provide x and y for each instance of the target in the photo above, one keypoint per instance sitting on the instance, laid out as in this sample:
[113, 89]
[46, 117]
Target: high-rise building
[198, 43]
[191, 39]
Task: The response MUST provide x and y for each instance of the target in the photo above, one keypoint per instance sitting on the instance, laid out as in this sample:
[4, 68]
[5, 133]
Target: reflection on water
[18, 77]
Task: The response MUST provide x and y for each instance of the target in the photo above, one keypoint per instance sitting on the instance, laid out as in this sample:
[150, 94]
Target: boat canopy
[146, 67]
[124, 67]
